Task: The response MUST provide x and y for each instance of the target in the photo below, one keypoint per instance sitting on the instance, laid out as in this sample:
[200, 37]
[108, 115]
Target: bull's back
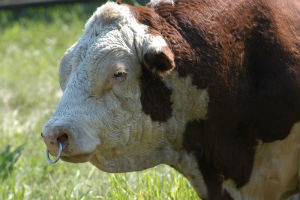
[247, 54]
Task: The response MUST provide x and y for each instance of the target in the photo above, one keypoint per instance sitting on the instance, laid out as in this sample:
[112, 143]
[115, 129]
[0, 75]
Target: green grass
[32, 42]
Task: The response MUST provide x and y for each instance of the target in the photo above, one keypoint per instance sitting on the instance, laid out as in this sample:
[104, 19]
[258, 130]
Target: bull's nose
[54, 135]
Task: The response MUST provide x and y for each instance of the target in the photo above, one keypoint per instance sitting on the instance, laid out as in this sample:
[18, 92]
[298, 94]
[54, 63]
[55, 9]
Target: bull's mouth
[80, 158]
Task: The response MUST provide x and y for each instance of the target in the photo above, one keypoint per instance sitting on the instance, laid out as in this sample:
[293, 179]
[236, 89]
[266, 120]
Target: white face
[100, 109]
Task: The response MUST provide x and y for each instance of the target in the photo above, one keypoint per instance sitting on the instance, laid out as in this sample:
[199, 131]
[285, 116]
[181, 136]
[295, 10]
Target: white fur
[186, 164]
[275, 171]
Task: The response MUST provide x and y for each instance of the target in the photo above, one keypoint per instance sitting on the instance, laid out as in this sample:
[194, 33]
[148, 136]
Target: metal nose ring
[58, 155]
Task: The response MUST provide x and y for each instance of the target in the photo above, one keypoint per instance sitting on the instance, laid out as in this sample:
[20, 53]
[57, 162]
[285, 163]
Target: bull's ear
[159, 60]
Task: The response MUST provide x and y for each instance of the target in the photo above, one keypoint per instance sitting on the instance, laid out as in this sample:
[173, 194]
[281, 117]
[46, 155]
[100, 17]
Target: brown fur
[247, 54]
[155, 96]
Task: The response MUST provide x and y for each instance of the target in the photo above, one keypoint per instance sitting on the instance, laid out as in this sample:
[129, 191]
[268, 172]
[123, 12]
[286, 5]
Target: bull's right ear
[159, 60]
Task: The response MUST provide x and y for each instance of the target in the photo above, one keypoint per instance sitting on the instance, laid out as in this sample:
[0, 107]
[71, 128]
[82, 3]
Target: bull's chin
[81, 158]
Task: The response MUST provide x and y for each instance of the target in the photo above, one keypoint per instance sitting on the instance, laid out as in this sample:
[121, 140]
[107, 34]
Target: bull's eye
[119, 74]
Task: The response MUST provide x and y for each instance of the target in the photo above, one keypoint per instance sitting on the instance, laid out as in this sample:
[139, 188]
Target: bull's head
[100, 117]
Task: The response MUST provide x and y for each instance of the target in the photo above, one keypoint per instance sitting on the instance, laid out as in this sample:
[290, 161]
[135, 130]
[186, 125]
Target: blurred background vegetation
[32, 42]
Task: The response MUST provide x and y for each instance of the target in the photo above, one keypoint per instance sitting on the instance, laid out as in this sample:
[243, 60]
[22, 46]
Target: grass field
[32, 41]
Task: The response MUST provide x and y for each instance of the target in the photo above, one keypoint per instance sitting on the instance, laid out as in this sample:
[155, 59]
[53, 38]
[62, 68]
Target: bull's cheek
[118, 128]
[122, 138]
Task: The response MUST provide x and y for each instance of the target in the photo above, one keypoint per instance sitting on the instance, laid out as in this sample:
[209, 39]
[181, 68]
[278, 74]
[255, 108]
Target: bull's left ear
[159, 60]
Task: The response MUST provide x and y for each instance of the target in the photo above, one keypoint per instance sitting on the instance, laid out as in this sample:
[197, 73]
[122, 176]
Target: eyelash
[119, 74]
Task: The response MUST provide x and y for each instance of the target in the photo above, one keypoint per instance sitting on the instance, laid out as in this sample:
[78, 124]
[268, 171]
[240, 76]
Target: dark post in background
[26, 3]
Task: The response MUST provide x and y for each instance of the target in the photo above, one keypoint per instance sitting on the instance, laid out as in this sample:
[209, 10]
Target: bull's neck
[188, 104]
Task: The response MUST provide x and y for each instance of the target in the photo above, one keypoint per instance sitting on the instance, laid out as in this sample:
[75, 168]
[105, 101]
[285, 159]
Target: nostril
[63, 139]
[55, 135]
